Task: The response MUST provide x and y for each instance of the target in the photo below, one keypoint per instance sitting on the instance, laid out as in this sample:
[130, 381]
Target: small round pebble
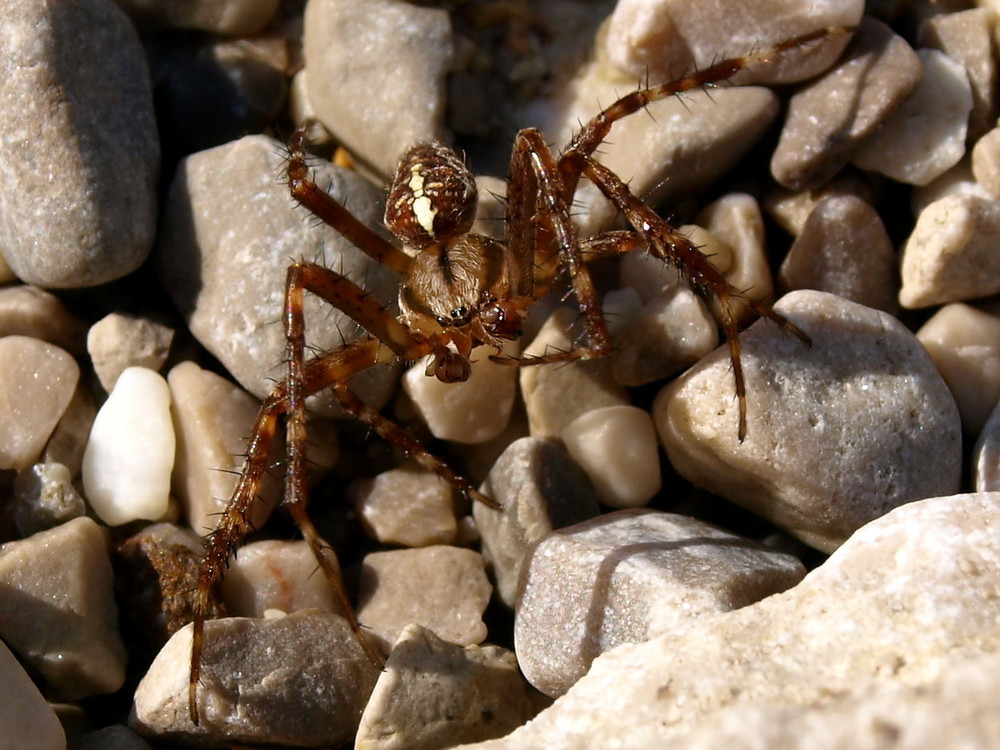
[130, 454]
[443, 588]
[407, 506]
[618, 449]
[839, 432]
[26, 310]
[117, 342]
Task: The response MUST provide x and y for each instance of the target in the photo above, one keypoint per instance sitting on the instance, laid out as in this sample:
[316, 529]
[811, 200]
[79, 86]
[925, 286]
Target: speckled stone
[81, 152]
[117, 342]
[408, 506]
[838, 433]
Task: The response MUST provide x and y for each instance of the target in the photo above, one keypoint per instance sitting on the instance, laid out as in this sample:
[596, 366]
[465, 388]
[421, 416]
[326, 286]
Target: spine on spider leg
[234, 524]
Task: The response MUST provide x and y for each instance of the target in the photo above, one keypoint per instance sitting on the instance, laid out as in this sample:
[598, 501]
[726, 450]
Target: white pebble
[130, 454]
[616, 446]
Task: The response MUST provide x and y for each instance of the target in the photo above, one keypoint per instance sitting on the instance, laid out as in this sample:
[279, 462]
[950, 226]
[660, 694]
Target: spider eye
[460, 316]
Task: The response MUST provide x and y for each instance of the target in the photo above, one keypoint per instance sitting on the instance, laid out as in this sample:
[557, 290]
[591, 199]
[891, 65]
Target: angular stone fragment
[555, 396]
[299, 680]
[964, 343]
[661, 39]
[407, 506]
[229, 234]
[58, 609]
[26, 310]
[26, 719]
[458, 411]
[45, 497]
[130, 454]
[81, 152]
[434, 694]
[275, 574]
[925, 137]
[967, 37]
[951, 252]
[898, 606]
[540, 489]
[393, 56]
[37, 382]
[839, 433]
[629, 576]
[830, 116]
[443, 588]
[617, 448]
[844, 249]
[117, 342]
[234, 17]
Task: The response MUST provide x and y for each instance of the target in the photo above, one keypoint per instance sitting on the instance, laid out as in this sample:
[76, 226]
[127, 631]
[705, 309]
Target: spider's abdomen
[432, 197]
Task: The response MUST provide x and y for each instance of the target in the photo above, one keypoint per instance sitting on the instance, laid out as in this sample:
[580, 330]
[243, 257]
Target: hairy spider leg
[673, 247]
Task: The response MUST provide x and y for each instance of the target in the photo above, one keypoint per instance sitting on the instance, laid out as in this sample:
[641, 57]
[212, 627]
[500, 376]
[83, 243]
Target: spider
[460, 291]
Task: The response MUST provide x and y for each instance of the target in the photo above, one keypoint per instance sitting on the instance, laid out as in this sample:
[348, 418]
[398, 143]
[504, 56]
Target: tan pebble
[26, 310]
[951, 254]
[443, 588]
[119, 341]
[408, 506]
[617, 447]
[986, 162]
[964, 343]
[925, 137]
[37, 382]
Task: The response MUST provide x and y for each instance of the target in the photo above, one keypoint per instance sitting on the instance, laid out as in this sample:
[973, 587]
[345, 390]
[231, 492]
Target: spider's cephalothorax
[460, 291]
[459, 286]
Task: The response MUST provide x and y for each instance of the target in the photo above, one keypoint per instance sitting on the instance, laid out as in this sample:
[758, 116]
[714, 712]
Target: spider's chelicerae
[460, 291]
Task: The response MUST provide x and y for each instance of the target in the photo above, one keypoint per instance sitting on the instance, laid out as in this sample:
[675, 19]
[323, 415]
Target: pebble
[629, 576]
[966, 36]
[839, 433]
[443, 588]
[26, 719]
[26, 310]
[130, 454]
[212, 419]
[964, 343]
[44, 497]
[458, 411]
[156, 574]
[671, 331]
[556, 395]
[790, 208]
[233, 17]
[117, 342]
[57, 610]
[37, 382]
[407, 506]
[81, 153]
[661, 39]
[540, 489]
[925, 137]
[351, 48]
[617, 447]
[831, 116]
[679, 149]
[299, 680]
[434, 694]
[950, 254]
[275, 574]
[986, 455]
[920, 584]
[230, 232]
[986, 162]
[844, 249]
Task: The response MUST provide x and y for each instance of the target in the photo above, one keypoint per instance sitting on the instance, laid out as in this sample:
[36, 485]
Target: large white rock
[130, 454]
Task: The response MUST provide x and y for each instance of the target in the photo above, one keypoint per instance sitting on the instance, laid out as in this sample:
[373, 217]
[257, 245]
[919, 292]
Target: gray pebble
[839, 433]
[79, 141]
[629, 576]
[45, 497]
[229, 233]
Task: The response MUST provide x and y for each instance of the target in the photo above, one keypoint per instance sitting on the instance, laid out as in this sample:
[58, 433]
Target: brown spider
[460, 291]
